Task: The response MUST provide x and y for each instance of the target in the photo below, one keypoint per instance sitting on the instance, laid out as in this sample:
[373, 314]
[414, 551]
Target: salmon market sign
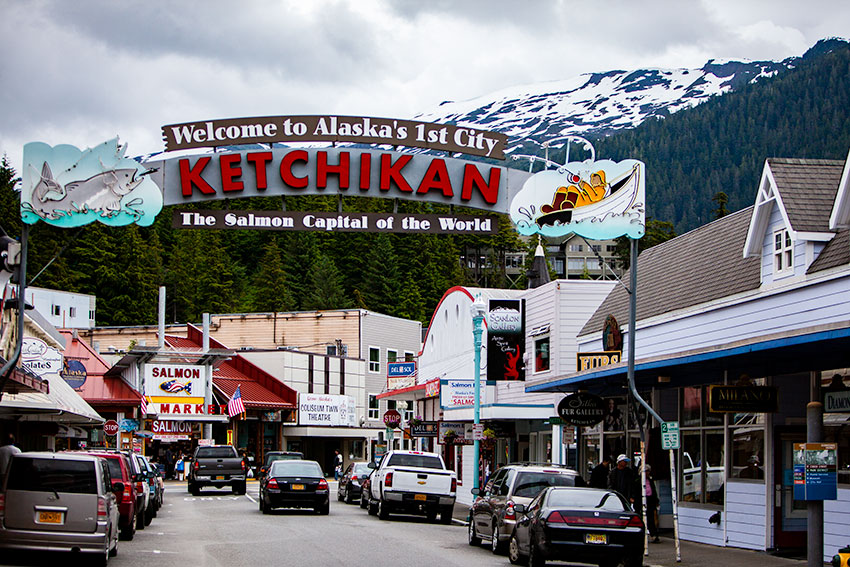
[68, 187]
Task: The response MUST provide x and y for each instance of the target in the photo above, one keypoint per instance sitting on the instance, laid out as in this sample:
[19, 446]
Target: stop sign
[392, 418]
[110, 427]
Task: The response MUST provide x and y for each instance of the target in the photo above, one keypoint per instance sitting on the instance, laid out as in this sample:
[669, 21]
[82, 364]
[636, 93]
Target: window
[72, 311]
[576, 247]
[541, 354]
[576, 264]
[374, 407]
[703, 449]
[91, 315]
[783, 251]
[409, 356]
[392, 355]
[374, 359]
[596, 247]
[610, 248]
[558, 265]
[56, 310]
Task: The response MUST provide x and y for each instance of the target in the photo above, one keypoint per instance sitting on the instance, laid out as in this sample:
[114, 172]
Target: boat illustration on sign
[599, 200]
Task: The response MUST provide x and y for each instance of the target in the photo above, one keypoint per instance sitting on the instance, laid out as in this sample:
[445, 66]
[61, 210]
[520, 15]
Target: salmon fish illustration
[99, 193]
[174, 386]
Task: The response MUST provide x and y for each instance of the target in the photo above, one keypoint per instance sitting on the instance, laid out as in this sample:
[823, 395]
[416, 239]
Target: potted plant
[415, 421]
[449, 437]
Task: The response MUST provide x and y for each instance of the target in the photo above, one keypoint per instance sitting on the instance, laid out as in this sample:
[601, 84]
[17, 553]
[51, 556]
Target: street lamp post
[477, 311]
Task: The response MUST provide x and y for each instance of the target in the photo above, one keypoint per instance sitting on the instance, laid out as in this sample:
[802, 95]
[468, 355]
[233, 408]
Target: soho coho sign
[582, 409]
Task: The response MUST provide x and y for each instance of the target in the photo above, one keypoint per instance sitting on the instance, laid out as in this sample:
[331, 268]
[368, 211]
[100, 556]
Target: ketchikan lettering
[296, 170]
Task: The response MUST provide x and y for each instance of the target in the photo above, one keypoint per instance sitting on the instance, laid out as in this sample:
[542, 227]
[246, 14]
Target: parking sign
[670, 435]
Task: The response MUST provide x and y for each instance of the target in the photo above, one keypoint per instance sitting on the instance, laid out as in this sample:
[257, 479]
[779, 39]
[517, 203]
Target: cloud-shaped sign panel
[65, 186]
[598, 200]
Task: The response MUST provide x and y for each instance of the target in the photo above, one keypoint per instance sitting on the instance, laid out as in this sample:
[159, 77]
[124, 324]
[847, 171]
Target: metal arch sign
[68, 187]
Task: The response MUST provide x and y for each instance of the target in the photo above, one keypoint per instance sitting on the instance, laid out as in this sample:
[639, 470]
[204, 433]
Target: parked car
[153, 487]
[585, 525]
[60, 502]
[143, 495]
[492, 516]
[122, 470]
[364, 489]
[272, 456]
[295, 484]
[350, 484]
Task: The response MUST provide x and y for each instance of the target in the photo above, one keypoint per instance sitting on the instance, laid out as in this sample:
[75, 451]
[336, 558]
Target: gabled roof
[835, 253]
[697, 267]
[804, 190]
[840, 217]
[98, 390]
[260, 390]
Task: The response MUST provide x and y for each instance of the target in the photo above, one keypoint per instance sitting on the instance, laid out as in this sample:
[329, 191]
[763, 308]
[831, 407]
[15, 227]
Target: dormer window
[783, 252]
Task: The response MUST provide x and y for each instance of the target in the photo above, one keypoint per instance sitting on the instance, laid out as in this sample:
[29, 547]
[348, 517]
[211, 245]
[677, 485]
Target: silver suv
[60, 501]
[492, 516]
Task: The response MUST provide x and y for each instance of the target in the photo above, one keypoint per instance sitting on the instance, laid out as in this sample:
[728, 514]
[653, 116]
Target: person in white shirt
[6, 451]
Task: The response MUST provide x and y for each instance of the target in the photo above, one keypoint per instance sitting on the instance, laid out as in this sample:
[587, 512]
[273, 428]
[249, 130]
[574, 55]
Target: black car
[351, 482]
[272, 456]
[295, 484]
[586, 525]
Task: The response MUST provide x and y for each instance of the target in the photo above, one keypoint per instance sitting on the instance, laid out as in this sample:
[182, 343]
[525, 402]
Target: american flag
[144, 406]
[235, 405]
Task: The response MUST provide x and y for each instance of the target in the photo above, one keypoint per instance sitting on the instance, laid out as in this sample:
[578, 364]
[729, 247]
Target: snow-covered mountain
[599, 102]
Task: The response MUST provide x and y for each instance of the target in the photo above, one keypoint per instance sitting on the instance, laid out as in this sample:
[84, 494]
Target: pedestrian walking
[599, 474]
[623, 479]
[651, 505]
[180, 467]
[6, 451]
[337, 465]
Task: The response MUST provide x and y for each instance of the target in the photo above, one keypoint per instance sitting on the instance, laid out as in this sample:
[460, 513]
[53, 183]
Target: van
[60, 502]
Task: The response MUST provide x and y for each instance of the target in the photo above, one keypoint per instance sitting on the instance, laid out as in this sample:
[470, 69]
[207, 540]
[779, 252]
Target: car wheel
[349, 499]
[128, 533]
[194, 490]
[102, 559]
[149, 517]
[515, 557]
[338, 495]
[472, 535]
[534, 558]
[140, 521]
[633, 559]
[496, 546]
[326, 509]
[446, 515]
[383, 511]
[364, 503]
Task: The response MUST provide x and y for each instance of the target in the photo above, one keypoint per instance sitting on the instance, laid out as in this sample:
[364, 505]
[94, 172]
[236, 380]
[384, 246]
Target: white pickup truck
[412, 482]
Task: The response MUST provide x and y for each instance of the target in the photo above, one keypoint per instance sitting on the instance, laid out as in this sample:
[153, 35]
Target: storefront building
[739, 325]
[516, 424]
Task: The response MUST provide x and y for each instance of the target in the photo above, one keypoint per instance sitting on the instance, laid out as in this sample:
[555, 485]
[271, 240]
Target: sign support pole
[477, 331]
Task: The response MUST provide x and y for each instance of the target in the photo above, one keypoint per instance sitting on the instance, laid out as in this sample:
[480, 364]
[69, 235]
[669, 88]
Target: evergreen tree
[269, 291]
[327, 290]
[381, 278]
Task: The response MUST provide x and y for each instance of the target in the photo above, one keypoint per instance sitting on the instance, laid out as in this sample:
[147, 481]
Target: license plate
[420, 497]
[220, 477]
[50, 517]
[297, 487]
[600, 539]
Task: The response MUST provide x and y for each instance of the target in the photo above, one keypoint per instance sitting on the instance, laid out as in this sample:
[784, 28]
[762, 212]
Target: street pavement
[222, 529]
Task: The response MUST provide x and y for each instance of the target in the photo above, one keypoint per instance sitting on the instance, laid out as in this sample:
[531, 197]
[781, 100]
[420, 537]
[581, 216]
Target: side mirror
[372, 465]
[118, 487]
[141, 477]
[476, 491]
[519, 508]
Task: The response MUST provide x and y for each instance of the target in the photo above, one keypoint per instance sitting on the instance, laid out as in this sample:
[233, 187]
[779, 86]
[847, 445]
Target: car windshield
[295, 468]
[216, 453]
[529, 484]
[583, 498]
[49, 475]
[282, 457]
[420, 461]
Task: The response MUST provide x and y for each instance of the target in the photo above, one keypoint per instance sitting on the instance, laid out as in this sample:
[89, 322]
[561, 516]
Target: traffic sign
[670, 435]
[111, 427]
[392, 418]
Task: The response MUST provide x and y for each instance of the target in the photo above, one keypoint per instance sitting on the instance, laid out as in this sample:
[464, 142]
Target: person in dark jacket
[599, 474]
[651, 505]
[623, 479]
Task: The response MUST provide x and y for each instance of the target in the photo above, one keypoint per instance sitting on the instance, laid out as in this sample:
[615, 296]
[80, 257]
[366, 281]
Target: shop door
[790, 521]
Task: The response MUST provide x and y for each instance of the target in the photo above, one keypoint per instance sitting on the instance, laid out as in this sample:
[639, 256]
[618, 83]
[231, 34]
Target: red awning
[409, 393]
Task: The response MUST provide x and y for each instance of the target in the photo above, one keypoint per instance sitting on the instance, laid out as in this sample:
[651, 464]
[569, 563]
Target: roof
[259, 389]
[835, 253]
[697, 267]
[807, 188]
[61, 404]
[98, 390]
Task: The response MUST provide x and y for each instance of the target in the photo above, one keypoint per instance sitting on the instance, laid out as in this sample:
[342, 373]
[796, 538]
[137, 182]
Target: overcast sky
[80, 72]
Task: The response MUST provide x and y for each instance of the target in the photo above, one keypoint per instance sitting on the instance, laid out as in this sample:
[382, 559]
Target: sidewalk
[693, 554]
